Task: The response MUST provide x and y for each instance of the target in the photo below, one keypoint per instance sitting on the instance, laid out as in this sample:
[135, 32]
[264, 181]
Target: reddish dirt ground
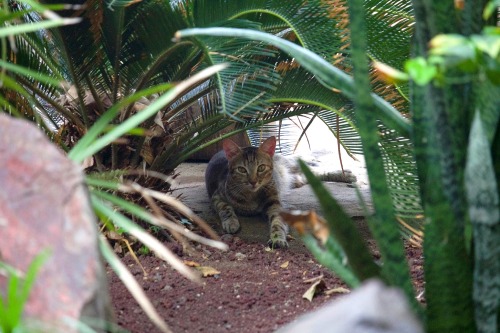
[257, 290]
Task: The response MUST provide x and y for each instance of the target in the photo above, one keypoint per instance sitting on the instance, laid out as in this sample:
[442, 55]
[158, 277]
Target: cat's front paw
[277, 243]
[231, 226]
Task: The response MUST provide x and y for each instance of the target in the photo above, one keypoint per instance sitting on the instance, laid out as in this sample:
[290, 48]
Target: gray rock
[44, 205]
[372, 308]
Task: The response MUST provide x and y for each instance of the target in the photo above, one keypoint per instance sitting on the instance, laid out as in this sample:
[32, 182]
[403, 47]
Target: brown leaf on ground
[314, 289]
[191, 263]
[338, 290]
[285, 264]
[207, 271]
[113, 235]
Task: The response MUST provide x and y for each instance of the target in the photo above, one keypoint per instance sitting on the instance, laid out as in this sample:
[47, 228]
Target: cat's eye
[242, 170]
[261, 168]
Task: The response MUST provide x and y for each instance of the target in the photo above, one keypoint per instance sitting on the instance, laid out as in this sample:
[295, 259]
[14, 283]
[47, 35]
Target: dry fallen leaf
[338, 290]
[159, 121]
[113, 235]
[88, 162]
[117, 248]
[285, 264]
[314, 289]
[207, 271]
[191, 263]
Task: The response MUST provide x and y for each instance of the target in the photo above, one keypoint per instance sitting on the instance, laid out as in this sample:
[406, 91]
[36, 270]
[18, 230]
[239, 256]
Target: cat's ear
[269, 146]
[230, 148]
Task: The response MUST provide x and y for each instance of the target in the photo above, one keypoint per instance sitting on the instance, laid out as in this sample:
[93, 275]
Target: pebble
[227, 238]
[240, 256]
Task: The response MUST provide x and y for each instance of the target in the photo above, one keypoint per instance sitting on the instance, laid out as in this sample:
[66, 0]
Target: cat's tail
[287, 174]
[340, 176]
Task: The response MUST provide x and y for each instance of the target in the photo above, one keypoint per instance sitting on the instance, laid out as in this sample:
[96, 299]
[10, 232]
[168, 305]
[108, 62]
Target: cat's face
[251, 167]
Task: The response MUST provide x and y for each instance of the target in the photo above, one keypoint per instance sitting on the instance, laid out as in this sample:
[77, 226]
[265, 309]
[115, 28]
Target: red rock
[44, 205]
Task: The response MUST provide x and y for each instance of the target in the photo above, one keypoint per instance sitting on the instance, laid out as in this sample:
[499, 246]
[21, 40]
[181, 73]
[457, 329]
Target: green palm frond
[127, 47]
[28, 57]
[384, 18]
[299, 86]
[246, 85]
[342, 129]
[402, 180]
[390, 29]
[148, 45]
[310, 23]
[305, 23]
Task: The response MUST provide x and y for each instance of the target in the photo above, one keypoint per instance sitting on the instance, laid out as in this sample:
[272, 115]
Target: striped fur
[240, 181]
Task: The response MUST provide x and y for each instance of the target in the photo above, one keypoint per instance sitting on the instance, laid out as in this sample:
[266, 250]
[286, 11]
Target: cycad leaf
[299, 87]
[400, 168]
[81, 151]
[307, 23]
[29, 73]
[244, 88]
[328, 75]
[389, 26]
[30, 27]
[147, 37]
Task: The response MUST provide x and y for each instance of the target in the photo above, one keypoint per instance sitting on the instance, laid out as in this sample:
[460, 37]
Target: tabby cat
[240, 181]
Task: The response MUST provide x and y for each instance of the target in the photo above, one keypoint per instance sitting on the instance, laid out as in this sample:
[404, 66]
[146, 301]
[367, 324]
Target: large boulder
[372, 308]
[44, 204]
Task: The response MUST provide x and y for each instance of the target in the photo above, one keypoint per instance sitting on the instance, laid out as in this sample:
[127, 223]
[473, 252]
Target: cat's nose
[252, 182]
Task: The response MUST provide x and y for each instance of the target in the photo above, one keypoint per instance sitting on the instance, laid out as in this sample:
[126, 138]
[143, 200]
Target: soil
[256, 290]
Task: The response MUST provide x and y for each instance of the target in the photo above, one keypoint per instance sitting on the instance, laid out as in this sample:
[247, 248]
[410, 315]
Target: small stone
[167, 287]
[157, 277]
[237, 240]
[227, 238]
[240, 256]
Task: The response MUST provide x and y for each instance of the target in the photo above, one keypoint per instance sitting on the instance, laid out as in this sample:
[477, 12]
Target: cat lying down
[249, 181]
